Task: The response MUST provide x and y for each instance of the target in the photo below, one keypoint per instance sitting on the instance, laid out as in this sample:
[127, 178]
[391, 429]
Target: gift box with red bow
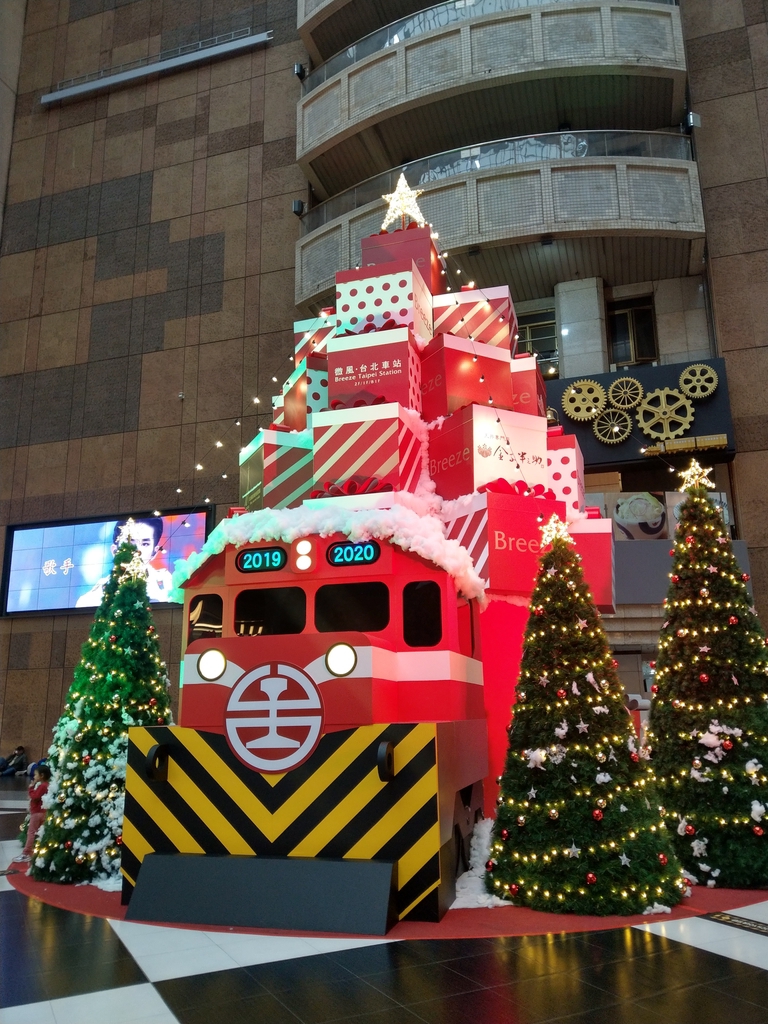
[374, 369]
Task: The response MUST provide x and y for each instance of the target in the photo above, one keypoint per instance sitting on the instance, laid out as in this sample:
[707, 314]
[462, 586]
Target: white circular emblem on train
[274, 717]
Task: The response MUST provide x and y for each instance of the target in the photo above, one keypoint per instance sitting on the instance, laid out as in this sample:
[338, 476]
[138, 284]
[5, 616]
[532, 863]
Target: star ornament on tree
[555, 529]
[696, 476]
[126, 536]
[133, 570]
[402, 204]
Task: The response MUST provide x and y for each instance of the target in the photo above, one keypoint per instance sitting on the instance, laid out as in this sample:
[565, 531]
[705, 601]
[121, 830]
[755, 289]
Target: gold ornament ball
[521, 820]
[554, 814]
[80, 859]
[600, 803]
[601, 757]
[696, 763]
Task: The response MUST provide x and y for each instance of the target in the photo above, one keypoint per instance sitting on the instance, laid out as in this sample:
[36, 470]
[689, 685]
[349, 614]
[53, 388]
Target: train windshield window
[363, 607]
[206, 614]
[269, 611]
[422, 615]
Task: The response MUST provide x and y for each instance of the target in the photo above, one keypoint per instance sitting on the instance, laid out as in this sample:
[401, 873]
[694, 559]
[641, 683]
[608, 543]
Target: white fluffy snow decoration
[758, 810]
[422, 534]
[536, 758]
[470, 887]
[657, 908]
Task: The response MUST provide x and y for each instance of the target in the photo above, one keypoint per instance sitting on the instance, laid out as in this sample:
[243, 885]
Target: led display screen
[261, 560]
[65, 565]
[349, 552]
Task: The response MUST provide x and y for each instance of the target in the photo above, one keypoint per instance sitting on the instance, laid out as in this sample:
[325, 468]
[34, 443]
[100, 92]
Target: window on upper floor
[632, 332]
[537, 334]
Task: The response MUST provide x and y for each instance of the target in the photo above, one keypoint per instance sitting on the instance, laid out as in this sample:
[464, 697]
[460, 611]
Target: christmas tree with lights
[708, 726]
[577, 828]
[120, 681]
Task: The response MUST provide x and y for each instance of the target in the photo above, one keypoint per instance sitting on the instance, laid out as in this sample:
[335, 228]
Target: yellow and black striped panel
[334, 805]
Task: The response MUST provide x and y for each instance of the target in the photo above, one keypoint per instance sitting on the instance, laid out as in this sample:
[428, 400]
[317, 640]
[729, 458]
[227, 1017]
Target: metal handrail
[142, 62]
[439, 16]
[502, 153]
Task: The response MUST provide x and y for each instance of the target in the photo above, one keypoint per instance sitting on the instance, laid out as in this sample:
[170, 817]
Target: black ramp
[262, 892]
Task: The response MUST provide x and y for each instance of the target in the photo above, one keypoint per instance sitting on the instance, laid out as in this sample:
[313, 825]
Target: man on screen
[146, 535]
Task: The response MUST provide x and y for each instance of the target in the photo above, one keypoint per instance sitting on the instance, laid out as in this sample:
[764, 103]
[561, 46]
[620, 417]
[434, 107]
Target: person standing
[37, 791]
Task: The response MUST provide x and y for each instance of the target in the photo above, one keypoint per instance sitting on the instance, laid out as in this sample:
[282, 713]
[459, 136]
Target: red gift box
[305, 392]
[486, 315]
[594, 542]
[414, 244]
[451, 372]
[374, 368]
[311, 336]
[480, 444]
[392, 295]
[363, 450]
[276, 470]
[502, 533]
[565, 465]
[529, 393]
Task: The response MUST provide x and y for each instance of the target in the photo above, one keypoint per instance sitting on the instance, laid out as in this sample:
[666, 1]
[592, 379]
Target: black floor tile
[219, 988]
[703, 1004]
[619, 1013]
[485, 1006]
[318, 1001]
[263, 1008]
[752, 986]
[283, 975]
[423, 981]
[385, 956]
[541, 999]
[395, 1015]
[10, 825]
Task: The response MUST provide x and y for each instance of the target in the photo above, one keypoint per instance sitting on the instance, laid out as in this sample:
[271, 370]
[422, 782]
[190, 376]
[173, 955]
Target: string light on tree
[588, 837]
[708, 725]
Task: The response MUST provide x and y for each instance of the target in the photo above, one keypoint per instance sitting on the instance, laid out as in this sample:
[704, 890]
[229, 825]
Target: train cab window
[422, 614]
[270, 611]
[363, 607]
[206, 615]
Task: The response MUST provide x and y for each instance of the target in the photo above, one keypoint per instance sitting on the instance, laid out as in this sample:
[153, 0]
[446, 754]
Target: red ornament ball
[68, 844]
[663, 859]
[652, 664]
[504, 834]
[489, 865]
[591, 878]
[151, 629]
[727, 745]
[671, 552]
[119, 840]
[562, 694]
[161, 721]
[758, 830]
[654, 688]
[745, 577]
[675, 578]
[703, 677]
[634, 756]
[152, 701]
[614, 663]
[514, 889]
[690, 830]
[690, 540]
[112, 639]
[538, 611]
[733, 620]
[86, 759]
[597, 814]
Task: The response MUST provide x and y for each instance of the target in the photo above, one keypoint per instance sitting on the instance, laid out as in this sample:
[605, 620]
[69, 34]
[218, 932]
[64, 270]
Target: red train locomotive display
[353, 633]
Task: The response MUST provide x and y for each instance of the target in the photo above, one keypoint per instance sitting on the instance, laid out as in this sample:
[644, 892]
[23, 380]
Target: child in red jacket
[37, 791]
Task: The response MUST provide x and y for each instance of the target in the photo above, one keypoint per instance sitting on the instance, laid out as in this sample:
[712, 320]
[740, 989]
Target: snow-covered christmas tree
[120, 681]
[708, 725]
[577, 828]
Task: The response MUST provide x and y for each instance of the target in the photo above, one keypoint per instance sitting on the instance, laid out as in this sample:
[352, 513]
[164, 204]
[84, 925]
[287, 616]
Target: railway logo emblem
[274, 718]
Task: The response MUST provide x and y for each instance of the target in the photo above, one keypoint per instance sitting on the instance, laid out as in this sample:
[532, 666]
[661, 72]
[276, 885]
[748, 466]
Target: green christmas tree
[120, 681]
[577, 828]
[708, 726]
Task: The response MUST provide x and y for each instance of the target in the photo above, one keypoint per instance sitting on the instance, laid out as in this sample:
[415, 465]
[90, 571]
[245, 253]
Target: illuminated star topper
[696, 476]
[553, 530]
[402, 203]
[126, 532]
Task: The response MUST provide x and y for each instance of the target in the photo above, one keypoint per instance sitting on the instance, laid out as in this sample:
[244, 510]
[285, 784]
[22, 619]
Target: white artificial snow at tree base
[405, 527]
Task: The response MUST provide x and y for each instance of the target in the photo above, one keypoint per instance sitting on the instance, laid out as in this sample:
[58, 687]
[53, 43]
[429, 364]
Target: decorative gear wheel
[698, 381]
[584, 400]
[664, 414]
[612, 426]
[625, 393]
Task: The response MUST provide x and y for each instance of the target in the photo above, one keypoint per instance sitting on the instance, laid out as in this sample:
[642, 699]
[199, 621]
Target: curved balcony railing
[502, 153]
[439, 16]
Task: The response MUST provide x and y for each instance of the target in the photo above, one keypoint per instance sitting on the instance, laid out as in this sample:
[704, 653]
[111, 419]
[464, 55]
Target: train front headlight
[340, 659]
[211, 665]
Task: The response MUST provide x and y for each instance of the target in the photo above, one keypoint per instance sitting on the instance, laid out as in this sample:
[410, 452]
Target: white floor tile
[722, 939]
[151, 939]
[265, 949]
[755, 911]
[333, 945]
[185, 963]
[117, 1005]
[31, 1013]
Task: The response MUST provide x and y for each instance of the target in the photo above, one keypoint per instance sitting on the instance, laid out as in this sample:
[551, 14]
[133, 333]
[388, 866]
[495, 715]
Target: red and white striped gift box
[276, 470]
[311, 336]
[486, 315]
[374, 448]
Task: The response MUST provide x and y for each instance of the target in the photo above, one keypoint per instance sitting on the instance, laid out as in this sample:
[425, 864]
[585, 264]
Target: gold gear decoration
[584, 399]
[698, 381]
[664, 414]
[625, 393]
[612, 426]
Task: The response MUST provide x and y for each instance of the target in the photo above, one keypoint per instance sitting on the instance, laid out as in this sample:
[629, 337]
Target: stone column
[580, 312]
